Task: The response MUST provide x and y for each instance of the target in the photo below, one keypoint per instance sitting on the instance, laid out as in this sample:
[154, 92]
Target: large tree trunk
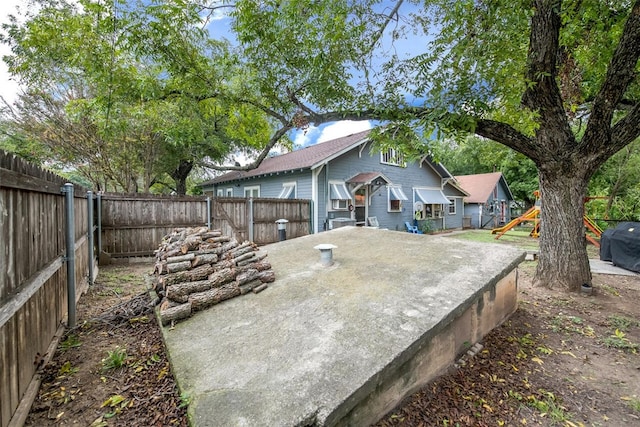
[180, 175]
[563, 259]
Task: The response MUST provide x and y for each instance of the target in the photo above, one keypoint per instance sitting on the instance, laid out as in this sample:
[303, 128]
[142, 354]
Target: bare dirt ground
[561, 359]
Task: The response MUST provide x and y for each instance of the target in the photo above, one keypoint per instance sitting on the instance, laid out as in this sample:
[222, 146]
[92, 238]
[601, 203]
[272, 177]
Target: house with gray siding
[488, 204]
[352, 183]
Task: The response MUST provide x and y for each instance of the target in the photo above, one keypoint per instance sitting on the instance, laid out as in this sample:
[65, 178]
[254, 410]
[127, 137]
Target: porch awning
[339, 192]
[432, 197]
[396, 193]
[368, 178]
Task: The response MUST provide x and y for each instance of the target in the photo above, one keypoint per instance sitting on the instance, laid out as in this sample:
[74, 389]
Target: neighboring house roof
[480, 186]
[303, 158]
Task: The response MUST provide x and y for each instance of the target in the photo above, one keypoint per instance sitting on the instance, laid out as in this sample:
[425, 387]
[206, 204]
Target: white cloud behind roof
[329, 132]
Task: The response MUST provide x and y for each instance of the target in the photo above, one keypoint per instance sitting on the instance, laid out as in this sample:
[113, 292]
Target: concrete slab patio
[341, 345]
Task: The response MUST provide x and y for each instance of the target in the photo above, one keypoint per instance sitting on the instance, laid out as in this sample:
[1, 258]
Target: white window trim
[229, 192]
[220, 192]
[390, 189]
[437, 211]
[251, 188]
[452, 205]
[387, 158]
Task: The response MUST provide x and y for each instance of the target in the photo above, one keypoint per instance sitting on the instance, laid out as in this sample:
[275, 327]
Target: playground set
[533, 215]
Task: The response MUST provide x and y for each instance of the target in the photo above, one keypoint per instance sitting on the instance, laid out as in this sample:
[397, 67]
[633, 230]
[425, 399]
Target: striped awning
[340, 192]
[287, 192]
[396, 193]
[432, 197]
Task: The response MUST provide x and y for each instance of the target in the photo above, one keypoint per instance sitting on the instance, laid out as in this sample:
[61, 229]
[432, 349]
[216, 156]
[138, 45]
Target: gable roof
[304, 158]
[480, 186]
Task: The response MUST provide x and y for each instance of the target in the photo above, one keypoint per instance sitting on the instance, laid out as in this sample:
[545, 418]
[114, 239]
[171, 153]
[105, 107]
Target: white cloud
[323, 133]
[342, 128]
[306, 137]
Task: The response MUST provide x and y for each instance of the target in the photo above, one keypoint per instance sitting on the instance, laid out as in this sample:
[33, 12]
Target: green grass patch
[115, 359]
[571, 324]
[519, 238]
[621, 323]
[619, 341]
[634, 403]
[71, 341]
[547, 404]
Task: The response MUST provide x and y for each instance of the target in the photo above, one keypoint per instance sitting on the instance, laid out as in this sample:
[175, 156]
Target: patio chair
[412, 228]
[372, 221]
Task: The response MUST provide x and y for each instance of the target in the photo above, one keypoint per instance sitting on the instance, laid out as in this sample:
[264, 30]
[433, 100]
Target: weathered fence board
[267, 211]
[133, 225]
[33, 277]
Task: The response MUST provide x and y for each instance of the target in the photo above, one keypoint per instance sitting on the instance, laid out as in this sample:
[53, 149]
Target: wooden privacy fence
[37, 248]
[255, 219]
[133, 225]
[47, 230]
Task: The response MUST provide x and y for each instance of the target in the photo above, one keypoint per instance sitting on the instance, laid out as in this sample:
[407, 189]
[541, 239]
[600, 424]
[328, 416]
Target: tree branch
[263, 154]
[620, 74]
[624, 132]
[508, 136]
[386, 22]
[543, 94]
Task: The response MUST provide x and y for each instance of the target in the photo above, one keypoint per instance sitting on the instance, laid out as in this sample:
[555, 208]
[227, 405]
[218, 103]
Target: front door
[361, 205]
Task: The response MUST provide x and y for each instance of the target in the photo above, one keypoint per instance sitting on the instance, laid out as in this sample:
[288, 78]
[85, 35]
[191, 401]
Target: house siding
[491, 209]
[343, 166]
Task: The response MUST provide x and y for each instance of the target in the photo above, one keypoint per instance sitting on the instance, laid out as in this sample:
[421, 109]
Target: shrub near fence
[33, 276]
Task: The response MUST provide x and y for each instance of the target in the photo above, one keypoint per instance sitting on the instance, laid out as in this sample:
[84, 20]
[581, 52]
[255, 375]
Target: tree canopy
[555, 81]
[126, 94]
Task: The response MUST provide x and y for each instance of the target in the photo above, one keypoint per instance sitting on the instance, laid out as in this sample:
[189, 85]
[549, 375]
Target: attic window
[288, 191]
[392, 157]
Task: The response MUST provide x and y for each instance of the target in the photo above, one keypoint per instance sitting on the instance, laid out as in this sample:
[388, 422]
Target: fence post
[70, 256]
[99, 209]
[90, 231]
[250, 219]
[208, 213]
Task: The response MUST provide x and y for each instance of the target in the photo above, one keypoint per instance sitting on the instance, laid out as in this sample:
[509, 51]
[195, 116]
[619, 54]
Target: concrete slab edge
[440, 347]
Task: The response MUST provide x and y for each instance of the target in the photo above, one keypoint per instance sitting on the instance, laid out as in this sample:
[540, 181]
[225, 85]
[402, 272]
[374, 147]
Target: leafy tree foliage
[520, 73]
[126, 94]
[617, 183]
[525, 74]
[475, 155]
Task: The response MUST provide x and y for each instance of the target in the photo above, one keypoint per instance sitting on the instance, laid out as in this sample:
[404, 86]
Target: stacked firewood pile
[197, 268]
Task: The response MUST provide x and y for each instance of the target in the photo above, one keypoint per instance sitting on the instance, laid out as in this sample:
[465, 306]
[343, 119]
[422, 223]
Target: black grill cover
[621, 246]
